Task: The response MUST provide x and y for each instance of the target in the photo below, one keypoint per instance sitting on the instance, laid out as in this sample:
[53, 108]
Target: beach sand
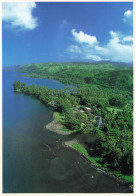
[56, 127]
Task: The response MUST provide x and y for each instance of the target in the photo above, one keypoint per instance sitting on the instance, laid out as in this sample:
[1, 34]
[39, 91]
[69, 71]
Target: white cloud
[74, 49]
[128, 17]
[118, 48]
[128, 39]
[119, 51]
[103, 51]
[19, 14]
[93, 57]
[81, 37]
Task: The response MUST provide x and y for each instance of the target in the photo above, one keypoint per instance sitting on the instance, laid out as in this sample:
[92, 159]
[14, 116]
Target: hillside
[105, 74]
[107, 90]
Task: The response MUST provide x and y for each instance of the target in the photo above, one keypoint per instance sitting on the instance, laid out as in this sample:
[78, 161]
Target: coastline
[56, 127]
[69, 143]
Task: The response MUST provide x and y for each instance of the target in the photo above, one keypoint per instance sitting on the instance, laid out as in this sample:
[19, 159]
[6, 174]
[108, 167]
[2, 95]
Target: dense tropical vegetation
[100, 90]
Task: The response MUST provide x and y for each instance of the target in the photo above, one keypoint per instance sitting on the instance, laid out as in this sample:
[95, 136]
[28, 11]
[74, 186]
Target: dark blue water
[28, 166]
[16, 103]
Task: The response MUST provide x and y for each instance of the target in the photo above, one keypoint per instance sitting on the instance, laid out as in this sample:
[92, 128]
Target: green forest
[99, 103]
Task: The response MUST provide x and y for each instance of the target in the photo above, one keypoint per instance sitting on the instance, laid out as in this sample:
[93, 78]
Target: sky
[66, 32]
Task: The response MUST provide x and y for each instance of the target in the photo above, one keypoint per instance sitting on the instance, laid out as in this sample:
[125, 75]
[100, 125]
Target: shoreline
[56, 127]
[69, 144]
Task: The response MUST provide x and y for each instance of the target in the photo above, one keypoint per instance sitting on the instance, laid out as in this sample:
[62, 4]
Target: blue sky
[64, 32]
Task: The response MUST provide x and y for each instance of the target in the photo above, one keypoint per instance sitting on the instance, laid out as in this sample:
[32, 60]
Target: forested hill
[107, 90]
[106, 74]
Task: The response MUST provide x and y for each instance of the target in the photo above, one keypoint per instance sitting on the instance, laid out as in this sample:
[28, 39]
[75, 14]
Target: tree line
[114, 140]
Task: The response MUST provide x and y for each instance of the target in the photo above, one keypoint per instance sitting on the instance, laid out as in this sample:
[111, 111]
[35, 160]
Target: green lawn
[82, 150]
[125, 177]
[67, 130]
[115, 110]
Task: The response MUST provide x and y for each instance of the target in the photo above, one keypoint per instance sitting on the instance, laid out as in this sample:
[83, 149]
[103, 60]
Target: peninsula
[99, 102]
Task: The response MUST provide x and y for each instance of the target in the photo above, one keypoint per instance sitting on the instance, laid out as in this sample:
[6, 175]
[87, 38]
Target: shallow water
[34, 159]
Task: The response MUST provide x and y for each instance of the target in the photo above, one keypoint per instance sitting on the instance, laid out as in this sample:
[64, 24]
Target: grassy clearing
[115, 110]
[67, 130]
[125, 177]
[82, 150]
[96, 160]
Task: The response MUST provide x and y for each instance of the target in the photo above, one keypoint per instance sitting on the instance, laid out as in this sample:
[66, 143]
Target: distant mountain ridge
[120, 64]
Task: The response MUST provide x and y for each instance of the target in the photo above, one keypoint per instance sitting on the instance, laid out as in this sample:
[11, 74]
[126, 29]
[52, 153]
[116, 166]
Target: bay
[30, 167]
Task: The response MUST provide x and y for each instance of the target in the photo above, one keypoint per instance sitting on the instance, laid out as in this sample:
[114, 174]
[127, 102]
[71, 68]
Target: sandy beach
[56, 127]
